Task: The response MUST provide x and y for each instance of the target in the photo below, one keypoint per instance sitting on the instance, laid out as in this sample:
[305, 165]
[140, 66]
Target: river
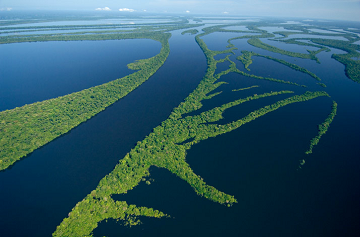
[40, 190]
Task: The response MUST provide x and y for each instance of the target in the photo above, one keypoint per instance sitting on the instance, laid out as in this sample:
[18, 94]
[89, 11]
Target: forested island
[206, 113]
[166, 148]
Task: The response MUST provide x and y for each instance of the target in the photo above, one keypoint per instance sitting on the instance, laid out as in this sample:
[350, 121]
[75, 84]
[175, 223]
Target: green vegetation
[246, 56]
[323, 128]
[191, 32]
[301, 43]
[29, 127]
[246, 88]
[352, 67]
[259, 44]
[321, 84]
[267, 78]
[210, 56]
[293, 66]
[166, 148]
[143, 33]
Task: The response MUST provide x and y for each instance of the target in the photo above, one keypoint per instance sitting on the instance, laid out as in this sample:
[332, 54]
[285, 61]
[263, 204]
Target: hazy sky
[326, 9]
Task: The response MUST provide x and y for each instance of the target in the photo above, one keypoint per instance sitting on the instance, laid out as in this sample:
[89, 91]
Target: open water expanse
[257, 163]
[32, 72]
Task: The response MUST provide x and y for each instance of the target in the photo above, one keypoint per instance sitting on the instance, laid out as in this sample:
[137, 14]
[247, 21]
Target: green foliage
[246, 58]
[323, 128]
[267, 78]
[29, 127]
[259, 44]
[352, 67]
[191, 32]
[247, 88]
[86, 215]
[166, 148]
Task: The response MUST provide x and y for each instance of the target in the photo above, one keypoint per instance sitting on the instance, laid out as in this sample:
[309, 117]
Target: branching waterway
[50, 181]
[234, 128]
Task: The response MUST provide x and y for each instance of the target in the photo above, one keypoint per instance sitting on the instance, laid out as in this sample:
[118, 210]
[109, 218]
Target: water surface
[32, 72]
[40, 190]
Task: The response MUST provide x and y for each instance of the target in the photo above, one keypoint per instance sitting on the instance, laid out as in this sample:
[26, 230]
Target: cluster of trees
[166, 147]
[246, 59]
[17, 30]
[352, 67]
[246, 88]
[92, 210]
[267, 78]
[323, 128]
[74, 37]
[140, 31]
[172, 21]
[29, 127]
[191, 32]
[259, 44]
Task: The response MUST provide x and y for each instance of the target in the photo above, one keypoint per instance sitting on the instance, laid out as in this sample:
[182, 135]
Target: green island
[352, 66]
[323, 128]
[191, 32]
[246, 88]
[166, 148]
[29, 127]
[25, 129]
[321, 84]
[258, 43]
[246, 56]
[210, 54]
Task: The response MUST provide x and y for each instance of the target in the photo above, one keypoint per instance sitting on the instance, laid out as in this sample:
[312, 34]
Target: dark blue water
[218, 41]
[257, 163]
[40, 190]
[290, 47]
[32, 72]
[277, 70]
